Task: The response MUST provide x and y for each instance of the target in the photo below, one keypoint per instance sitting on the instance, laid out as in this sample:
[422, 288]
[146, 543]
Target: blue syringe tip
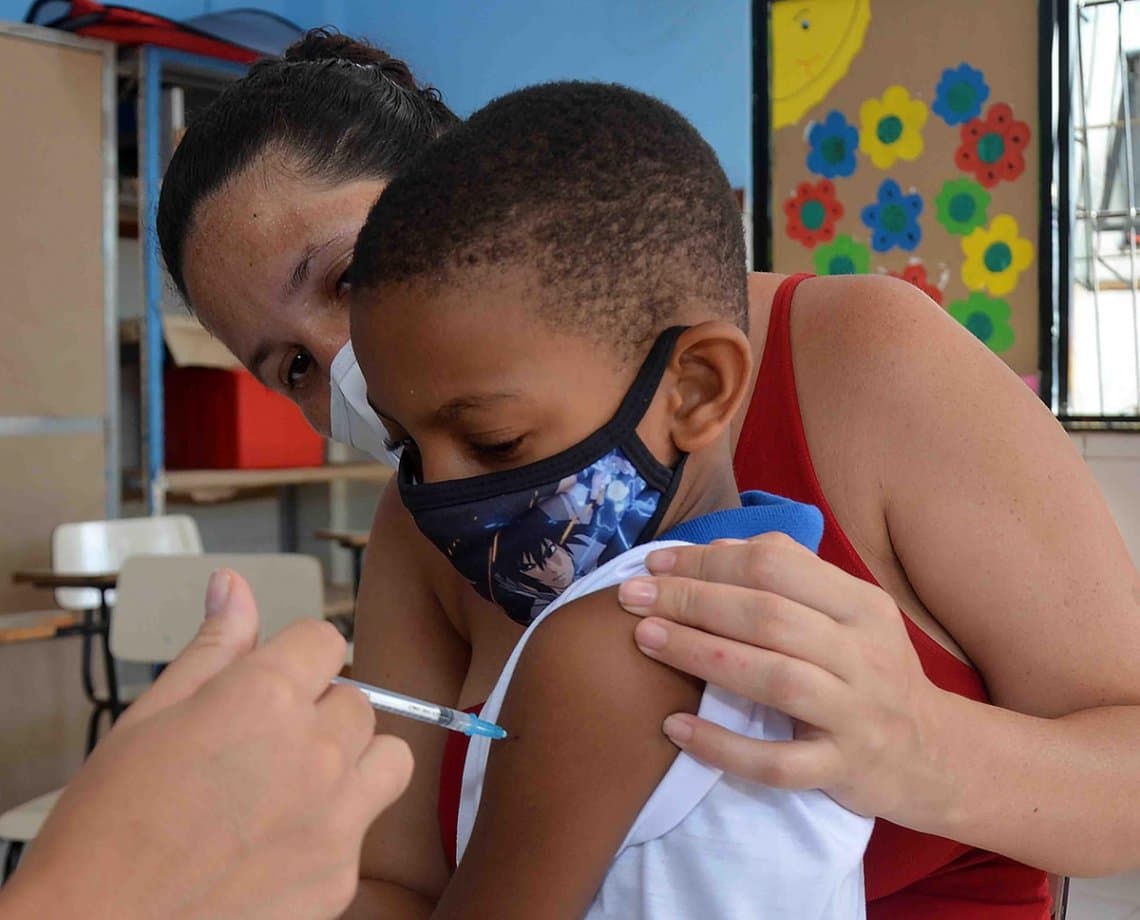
[486, 729]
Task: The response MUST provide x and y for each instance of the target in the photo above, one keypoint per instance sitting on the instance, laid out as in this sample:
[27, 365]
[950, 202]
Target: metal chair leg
[93, 721]
[12, 858]
[108, 659]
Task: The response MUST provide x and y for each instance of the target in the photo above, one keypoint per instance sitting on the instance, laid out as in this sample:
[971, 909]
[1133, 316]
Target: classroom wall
[694, 55]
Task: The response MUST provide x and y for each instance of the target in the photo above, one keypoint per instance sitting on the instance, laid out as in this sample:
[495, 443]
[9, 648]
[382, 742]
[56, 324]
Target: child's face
[480, 384]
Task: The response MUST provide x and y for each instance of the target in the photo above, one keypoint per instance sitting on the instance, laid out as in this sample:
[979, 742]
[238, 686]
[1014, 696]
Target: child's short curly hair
[610, 195]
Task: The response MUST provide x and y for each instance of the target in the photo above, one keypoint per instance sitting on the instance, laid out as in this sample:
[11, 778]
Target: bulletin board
[905, 140]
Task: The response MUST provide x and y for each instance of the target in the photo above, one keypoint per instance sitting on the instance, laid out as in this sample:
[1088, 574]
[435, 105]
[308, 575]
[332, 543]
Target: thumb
[228, 633]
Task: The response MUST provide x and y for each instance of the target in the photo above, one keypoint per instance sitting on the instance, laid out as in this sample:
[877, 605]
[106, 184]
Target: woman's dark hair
[338, 109]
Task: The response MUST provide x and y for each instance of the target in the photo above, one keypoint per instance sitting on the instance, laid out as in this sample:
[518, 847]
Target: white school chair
[94, 547]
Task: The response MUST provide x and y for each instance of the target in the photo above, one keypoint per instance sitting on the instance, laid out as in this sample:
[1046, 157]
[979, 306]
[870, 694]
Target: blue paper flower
[833, 145]
[893, 220]
[960, 94]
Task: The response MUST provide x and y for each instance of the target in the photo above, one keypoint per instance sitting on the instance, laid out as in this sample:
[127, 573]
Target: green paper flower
[987, 318]
[961, 206]
[842, 257]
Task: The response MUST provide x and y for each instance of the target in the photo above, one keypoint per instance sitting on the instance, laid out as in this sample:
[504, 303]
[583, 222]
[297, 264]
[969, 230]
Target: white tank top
[705, 844]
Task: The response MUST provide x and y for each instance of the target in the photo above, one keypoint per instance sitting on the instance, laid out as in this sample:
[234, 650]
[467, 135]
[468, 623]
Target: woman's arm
[405, 642]
[1002, 535]
[584, 711]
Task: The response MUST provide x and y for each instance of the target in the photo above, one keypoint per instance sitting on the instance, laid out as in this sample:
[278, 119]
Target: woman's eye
[299, 366]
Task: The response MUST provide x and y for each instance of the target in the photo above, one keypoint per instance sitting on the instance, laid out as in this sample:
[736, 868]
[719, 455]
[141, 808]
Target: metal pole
[151, 342]
[1130, 185]
[1092, 237]
[113, 474]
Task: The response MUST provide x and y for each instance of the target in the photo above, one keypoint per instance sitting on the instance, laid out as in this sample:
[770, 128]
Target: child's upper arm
[584, 710]
[405, 641]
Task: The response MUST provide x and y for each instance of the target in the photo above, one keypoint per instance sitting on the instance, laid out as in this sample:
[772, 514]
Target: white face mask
[352, 420]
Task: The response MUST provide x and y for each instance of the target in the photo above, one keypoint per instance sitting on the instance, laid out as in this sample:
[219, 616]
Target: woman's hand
[239, 785]
[769, 620]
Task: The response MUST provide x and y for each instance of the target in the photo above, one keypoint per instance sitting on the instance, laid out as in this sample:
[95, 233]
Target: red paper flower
[812, 212]
[915, 274]
[992, 147]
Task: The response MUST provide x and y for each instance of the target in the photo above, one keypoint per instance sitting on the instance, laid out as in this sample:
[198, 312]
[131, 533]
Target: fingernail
[663, 560]
[650, 636]
[678, 729]
[217, 591]
[637, 594]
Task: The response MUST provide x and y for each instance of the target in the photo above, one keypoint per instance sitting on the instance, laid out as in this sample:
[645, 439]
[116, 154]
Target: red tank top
[909, 875]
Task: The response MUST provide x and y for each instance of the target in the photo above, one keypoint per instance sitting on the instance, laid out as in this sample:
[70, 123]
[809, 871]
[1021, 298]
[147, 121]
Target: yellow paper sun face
[813, 45]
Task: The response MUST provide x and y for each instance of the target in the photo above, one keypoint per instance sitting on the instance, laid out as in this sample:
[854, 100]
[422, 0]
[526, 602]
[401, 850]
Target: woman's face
[265, 264]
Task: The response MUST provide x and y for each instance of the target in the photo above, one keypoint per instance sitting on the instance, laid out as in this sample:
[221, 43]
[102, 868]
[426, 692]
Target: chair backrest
[162, 598]
[103, 546]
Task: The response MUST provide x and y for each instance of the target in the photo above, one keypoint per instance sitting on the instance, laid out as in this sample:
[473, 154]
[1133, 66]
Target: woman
[969, 658]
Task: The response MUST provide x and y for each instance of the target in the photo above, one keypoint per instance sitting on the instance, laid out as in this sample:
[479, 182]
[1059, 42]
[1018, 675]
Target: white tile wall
[1116, 898]
[1114, 458]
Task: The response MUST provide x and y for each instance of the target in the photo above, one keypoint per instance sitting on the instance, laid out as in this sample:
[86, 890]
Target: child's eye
[343, 283]
[503, 450]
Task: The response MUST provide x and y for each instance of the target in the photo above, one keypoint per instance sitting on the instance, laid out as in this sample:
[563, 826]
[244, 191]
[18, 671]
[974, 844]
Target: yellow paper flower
[892, 127]
[995, 257]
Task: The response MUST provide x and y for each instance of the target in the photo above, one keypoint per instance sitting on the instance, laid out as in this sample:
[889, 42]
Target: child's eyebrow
[454, 408]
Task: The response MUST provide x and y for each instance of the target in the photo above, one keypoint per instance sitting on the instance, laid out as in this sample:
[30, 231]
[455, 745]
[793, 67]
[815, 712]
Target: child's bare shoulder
[584, 712]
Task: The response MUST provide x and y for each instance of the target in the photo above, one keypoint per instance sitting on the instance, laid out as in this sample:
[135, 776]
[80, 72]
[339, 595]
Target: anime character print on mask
[524, 535]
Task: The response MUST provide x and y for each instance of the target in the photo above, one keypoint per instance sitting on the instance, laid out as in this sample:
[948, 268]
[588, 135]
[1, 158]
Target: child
[550, 311]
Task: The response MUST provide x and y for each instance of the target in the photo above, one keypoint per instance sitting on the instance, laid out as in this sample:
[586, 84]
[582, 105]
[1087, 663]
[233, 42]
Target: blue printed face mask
[522, 536]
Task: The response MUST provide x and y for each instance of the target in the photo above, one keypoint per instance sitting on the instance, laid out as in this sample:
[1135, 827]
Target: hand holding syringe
[444, 716]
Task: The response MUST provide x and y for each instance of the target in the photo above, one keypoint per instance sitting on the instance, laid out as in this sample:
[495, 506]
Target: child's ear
[713, 366]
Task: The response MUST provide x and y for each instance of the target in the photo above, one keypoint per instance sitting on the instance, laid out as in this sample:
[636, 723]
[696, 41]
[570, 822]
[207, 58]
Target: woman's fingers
[796, 687]
[744, 615]
[228, 632]
[307, 653]
[345, 717]
[809, 764]
[386, 769]
[771, 562]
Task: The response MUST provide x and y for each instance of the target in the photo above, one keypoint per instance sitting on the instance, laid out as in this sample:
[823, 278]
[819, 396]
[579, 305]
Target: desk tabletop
[349, 539]
[29, 627]
[48, 578]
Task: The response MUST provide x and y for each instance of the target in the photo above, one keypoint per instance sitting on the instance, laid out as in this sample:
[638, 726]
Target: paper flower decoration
[812, 212]
[891, 127]
[992, 147]
[833, 144]
[995, 258]
[893, 219]
[960, 94]
[961, 206]
[987, 318]
[915, 274]
[843, 257]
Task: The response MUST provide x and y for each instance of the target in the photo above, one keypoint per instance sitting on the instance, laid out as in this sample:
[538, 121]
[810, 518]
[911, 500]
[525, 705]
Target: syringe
[444, 716]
